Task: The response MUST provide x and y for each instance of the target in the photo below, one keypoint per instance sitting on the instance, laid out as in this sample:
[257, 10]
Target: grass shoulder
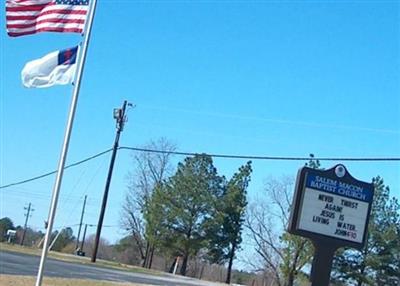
[13, 280]
[78, 259]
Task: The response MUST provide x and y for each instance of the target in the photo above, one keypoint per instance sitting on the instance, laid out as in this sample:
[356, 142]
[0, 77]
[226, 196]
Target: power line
[53, 172]
[224, 156]
[249, 157]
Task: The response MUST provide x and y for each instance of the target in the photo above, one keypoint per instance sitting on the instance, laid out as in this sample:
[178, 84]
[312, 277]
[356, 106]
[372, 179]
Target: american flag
[26, 17]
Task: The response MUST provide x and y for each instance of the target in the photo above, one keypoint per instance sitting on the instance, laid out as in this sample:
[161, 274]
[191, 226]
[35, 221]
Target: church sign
[331, 206]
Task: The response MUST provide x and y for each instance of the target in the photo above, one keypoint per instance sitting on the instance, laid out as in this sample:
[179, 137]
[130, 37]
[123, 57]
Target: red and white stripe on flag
[26, 17]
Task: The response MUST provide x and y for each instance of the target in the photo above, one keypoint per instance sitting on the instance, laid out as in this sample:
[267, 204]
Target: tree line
[63, 239]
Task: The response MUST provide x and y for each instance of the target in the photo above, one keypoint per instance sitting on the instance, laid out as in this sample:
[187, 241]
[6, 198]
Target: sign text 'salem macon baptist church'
[332, 204]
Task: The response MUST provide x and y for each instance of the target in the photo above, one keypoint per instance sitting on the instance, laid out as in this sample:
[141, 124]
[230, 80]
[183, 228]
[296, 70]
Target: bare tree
[105, 250]
[151, 168]
[281, 253]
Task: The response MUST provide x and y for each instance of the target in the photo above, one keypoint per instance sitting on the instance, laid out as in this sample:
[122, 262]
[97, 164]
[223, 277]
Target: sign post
[332, 209]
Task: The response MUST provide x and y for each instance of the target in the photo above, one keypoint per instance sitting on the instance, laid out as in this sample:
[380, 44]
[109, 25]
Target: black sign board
[331, 208]
[331, 205]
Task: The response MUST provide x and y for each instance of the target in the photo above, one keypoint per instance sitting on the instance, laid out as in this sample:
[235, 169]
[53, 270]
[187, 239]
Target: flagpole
[67, 135]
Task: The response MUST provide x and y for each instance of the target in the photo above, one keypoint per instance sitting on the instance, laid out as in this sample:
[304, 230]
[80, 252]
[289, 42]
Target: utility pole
[28, 213]
[80, 224]
[119, 116]
[83, 239]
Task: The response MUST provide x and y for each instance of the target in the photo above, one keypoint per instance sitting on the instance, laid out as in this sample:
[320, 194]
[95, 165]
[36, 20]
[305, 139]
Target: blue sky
[252, 78]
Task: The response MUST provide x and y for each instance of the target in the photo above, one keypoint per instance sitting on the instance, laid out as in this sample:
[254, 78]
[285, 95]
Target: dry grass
[77, 259]
[18, 248]
[11, 280]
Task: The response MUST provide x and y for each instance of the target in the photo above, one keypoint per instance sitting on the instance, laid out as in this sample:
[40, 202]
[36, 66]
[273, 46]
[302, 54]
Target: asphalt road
[23, 264]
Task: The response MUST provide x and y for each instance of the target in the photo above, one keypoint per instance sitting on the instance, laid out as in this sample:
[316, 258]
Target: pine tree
[183, 205]
[378, 262]
[225, 227]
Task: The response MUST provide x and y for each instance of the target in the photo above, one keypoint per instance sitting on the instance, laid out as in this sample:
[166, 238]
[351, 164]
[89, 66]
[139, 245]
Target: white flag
[55, 68]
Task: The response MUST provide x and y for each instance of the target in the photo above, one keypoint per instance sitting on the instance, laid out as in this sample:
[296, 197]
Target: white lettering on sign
[333, 215]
